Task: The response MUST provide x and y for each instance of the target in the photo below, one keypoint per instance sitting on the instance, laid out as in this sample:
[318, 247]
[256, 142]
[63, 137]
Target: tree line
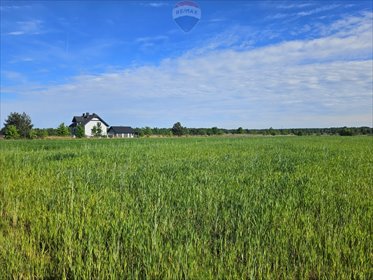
[179, 130]
[19, 125]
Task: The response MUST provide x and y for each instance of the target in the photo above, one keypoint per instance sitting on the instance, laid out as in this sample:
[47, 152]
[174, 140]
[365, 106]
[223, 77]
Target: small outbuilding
[121, 132]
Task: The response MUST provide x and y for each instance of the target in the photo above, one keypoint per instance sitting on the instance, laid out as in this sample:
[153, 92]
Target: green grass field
[188, 208]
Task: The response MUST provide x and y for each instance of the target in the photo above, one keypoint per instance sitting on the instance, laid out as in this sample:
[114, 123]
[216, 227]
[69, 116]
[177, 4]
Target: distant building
[121, 132]
[88, 121]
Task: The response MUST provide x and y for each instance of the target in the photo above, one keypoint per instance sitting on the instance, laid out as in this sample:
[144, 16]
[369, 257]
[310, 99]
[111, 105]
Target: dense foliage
[343, 131]
[63, 130]
[11, 132]
[178, 129]
[187, 208]
[17, 125]
[21, 126]
[79, 131]
[97, 130]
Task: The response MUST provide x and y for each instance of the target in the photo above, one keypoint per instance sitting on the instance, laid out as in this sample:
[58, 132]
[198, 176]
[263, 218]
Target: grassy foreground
[190, 208]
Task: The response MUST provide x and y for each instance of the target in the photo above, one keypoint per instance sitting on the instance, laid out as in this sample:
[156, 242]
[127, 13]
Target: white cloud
[151, 39]
[317, 10]
[213, 20]
[13, 76]
[10, 7]
[31, 27]
[234, 38]
[16, 33]
[350, 26]
[156, 4]
[294, 5]
[321, 82]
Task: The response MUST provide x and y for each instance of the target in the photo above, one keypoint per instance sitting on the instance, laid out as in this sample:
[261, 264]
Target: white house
[121, 132]
[89, 121]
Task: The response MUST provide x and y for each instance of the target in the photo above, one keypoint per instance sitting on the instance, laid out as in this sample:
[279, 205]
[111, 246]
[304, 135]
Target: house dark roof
[121, 129]
[85, 118]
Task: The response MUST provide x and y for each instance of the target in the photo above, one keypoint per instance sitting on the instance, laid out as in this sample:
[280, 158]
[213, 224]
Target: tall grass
[191, 208]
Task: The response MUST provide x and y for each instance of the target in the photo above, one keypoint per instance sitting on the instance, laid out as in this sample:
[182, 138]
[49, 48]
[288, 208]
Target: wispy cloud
[149, 42]
[9, 6]
[235, 38]
[13, 76]
[31, 27]
[213, 20]
[295, 26]
[151, 39]
[294, 6]
[318, 10]
[349, 26]
[16, 33]
[315, 82]
[277, 16]
[155, 4]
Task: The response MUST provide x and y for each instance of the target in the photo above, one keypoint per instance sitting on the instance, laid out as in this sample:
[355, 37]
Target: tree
[272, 131]
[22, 122]
[147, 131]
[94, 130]
[139, 132]
[177, 129]
[41, 133]
[97, 130]
[240, 130]
[63, 130]
[11, 132]
[51, 131]
[79, 131]
[216, 131]
[345, 132]
[32, 134]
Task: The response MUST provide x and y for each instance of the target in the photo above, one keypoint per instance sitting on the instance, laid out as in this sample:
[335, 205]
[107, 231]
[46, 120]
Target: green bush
[11, 132]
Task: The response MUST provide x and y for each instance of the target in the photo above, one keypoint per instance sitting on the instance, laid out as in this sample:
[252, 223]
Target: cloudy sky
[255, 64]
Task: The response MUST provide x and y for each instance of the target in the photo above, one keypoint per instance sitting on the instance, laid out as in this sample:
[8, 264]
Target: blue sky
[255, 64]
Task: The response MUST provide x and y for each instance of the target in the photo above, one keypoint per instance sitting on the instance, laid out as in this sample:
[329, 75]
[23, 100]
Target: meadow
[187, 208]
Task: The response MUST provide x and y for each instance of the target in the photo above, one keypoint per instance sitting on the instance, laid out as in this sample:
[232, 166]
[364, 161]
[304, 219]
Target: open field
[189, 208]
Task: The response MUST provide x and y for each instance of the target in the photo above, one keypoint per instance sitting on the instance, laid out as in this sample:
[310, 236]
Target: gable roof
[121, 129]
[86, 118]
